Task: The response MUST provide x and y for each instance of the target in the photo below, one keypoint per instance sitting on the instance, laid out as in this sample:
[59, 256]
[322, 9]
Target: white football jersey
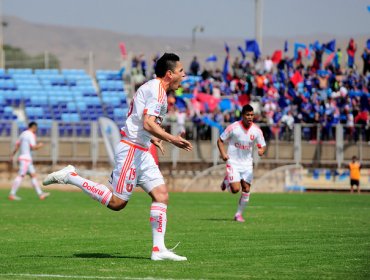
[26, 140]
[241, 141]
[151, 99]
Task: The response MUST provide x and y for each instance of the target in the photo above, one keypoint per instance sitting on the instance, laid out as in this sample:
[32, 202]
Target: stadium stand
[69, 95]
[319, 99]
[114, 98]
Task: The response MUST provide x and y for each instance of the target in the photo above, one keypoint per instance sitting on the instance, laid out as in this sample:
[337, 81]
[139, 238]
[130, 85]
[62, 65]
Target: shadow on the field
[105, 256]
[88, 256]
[218, 219]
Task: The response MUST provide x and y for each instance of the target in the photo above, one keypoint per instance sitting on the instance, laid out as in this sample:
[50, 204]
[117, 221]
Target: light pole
[2, 55]
[197, 28]
[258, 23]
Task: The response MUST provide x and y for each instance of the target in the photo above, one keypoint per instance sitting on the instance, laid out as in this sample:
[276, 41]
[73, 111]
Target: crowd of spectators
[283, 92]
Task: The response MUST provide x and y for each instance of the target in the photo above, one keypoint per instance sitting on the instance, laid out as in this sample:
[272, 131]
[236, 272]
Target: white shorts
[237, 172]
[26, 166]
[135, 165]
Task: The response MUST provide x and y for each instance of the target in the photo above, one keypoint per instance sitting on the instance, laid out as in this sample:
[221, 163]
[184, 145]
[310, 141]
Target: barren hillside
[72, 45]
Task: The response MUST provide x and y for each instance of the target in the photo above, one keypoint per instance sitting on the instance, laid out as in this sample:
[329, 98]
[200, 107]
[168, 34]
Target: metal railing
[304, 144]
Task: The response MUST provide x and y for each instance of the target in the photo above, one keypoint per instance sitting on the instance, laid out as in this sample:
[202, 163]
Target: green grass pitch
[286, 236]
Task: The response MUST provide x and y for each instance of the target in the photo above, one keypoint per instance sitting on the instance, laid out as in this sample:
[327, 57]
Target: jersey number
[131, 176]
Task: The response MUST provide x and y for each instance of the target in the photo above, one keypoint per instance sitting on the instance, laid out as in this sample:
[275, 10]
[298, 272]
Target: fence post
[361, 141]
[277, 153]
[297, 143]
[339, 144]
[175, 152]
[54, 143]
[214, 137]
[94, 144]
[14, 136]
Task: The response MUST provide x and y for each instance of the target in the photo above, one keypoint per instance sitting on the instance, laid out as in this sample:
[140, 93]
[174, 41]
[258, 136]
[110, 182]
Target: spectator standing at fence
[134, 164]
[180, 120]
[268, 64]
[338, 59]
[260, 83]
[194, 66]
[351, 51]
[366, 60]
[242, 137]
[287, 126]
[354, 173]
[25, 144]
[350, 126]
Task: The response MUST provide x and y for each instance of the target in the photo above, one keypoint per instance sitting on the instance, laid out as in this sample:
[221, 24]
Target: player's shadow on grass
[105, 256]
[88, 256]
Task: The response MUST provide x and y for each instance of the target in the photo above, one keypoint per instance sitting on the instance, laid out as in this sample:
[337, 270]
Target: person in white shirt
[134, 164]
[180, 120]
[25, 144]
[287, 123]
[268, 64]
[242, 138]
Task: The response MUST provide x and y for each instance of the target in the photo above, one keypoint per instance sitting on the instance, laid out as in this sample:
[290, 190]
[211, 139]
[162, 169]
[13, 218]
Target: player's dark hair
[247, 108]
[31, 124]
[164, 63]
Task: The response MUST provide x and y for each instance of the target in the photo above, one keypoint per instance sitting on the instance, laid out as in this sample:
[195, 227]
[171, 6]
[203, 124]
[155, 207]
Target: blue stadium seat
[20, 71]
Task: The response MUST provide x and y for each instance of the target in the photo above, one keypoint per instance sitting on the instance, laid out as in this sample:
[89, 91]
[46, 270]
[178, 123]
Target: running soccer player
[242, 137]
[25, 144]
[134, 164]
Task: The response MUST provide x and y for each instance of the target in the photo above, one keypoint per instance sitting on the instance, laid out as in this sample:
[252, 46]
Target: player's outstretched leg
[68, 175]
[158, 221]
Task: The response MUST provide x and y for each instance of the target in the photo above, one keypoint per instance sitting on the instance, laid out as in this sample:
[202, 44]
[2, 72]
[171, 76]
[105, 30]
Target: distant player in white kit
[25, 144]
[134, 165]
[242, 137]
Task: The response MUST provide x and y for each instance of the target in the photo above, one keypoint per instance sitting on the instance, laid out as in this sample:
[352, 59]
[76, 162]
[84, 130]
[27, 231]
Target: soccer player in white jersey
[242, 136]
[25, 144]
[134, 165]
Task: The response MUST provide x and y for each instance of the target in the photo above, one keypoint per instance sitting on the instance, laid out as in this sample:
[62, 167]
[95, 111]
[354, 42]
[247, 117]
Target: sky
[220, 18]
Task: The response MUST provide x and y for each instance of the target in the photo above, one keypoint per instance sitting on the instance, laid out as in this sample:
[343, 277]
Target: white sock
[36, 186]
[243, 202]
[96, 191]
[16, 183]
[158, 220]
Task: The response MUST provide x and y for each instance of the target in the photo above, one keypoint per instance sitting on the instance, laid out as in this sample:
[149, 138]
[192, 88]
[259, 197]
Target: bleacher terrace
[69, 95]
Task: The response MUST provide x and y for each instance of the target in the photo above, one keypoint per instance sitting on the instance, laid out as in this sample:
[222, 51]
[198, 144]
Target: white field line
[82, 276]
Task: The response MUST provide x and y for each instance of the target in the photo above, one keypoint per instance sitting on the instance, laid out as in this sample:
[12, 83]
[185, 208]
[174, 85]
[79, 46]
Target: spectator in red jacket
[351, 51]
